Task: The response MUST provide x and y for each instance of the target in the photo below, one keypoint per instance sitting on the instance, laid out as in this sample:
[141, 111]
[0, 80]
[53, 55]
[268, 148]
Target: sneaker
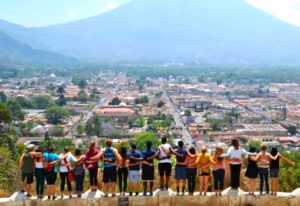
[145, 193]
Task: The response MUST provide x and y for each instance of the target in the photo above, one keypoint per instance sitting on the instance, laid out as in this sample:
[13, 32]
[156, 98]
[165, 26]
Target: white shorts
[134, 176]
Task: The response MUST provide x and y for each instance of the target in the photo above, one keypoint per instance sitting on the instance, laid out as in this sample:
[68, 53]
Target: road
[86, 118]
[186, 136]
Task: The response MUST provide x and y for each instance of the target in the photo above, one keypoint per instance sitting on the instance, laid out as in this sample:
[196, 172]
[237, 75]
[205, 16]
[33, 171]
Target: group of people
[138, 166]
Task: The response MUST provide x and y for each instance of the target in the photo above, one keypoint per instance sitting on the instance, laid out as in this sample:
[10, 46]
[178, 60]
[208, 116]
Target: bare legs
[274, 185]
[251, 185]
[203, 184]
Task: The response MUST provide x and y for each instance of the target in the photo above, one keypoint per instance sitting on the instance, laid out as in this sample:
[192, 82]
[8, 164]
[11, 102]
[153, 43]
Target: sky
[31, 13]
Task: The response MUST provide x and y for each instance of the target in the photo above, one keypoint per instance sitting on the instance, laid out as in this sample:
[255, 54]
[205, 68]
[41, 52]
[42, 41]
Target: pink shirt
[91, 153]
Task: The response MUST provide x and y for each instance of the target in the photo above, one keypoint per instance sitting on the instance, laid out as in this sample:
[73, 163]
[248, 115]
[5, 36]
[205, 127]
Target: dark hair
[164, 140]
[39, 149]
[274, 151]
[133, 146]
[180, 143]
[192, 150]
[77, 152]
[123, 153]
[252, 149]
[66, 148]
[235, 143]
[51, 149]
[149, 144]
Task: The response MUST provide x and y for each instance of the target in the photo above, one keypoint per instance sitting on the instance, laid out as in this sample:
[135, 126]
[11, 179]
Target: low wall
[167, 201]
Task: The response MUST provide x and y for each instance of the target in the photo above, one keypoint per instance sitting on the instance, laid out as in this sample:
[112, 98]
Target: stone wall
[167, 201]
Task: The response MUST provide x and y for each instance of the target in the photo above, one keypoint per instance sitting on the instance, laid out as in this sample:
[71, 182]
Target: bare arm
[21, 161]
[273, 158]
[286, 160]
[175, 153]
[98, 156]
[189, 154]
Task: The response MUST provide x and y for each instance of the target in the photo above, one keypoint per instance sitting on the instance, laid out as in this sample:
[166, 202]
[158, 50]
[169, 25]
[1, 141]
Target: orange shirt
[190, 161]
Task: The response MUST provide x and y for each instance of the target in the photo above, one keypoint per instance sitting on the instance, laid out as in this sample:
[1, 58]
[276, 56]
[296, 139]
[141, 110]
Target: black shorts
[148, 174]
[204, 173]
[51, 177]
[27, 177]
[165, 169]
[109, 174]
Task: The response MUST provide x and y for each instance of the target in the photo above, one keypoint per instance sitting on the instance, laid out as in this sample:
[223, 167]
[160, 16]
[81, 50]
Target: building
[262, 130]
[115, 112]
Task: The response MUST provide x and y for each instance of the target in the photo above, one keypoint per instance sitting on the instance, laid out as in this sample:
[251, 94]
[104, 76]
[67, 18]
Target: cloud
[286, 10]
[72, 14]
[110, 5]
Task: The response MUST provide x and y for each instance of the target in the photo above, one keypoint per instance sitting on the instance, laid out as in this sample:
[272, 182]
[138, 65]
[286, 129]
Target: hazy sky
[46, 12]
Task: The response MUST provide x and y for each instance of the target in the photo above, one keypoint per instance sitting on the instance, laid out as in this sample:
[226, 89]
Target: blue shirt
[51, 157]
[146, 154]
[181, 151]
[135, 154]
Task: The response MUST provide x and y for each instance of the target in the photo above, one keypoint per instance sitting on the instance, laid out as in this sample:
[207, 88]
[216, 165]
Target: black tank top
[275, 164]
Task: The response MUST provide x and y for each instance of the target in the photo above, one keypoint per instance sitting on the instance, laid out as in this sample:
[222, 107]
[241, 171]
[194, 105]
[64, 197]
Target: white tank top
[39, 165]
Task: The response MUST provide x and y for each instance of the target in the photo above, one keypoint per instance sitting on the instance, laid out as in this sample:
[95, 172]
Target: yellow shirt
[204, 159]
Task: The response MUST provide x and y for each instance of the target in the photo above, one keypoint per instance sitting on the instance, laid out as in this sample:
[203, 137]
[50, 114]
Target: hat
[30, 146]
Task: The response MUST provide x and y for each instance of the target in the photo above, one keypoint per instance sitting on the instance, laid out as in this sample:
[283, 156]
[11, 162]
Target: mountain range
[214, 31]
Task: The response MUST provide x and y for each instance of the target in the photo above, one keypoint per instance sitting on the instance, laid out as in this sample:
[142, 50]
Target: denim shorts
[274, 172]
[180, 173]
[134, 176]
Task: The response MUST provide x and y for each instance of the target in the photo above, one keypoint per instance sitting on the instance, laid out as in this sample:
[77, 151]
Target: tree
[115, 101]
[16, 110]
[82, 84]
[57, 131]
[160, 104]
[93, 127]
[188, 113]
[80, 129]
[292, 129]
[143, 100]
[141, 121]
[42, 102]
[56, 114]
[61, 101]
[25, 103]
[82, 96]
[3, 97]
[5, 114]
[289, 178]
[142, 138]
[256, 143]
[61, 90]
[59, 144]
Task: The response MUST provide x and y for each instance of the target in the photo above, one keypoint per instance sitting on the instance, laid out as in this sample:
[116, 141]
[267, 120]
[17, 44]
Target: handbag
[71, 175]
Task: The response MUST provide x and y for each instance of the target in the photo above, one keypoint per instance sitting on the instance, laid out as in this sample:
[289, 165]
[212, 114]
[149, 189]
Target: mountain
[215, 31]
[13, 51]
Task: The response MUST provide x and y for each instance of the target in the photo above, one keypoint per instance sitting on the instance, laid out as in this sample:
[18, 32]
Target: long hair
[274, 151]
[123, 153]
[235, 143]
